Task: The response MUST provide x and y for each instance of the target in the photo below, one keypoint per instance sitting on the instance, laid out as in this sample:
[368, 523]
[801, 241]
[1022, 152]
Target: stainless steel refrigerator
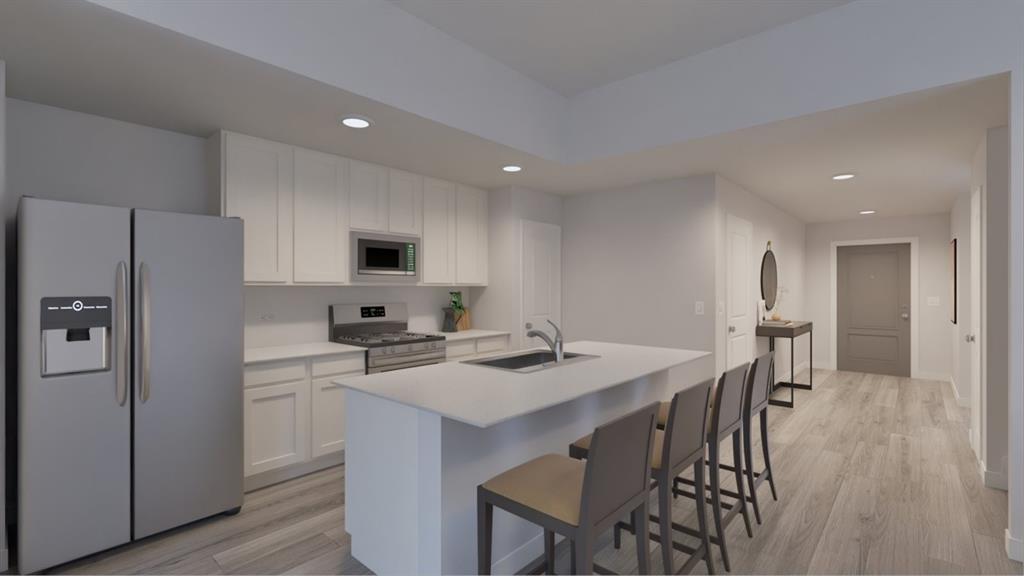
[130, 375]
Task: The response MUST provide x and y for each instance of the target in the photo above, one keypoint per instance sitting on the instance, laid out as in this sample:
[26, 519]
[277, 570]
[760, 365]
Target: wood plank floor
[875, 476]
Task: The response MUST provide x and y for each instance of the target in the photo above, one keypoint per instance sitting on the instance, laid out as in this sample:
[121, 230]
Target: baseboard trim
[960, 400]
[784, 377]
[995, 480]
[513, 562]
[1014, 547]
[920, 375]
[271, 477]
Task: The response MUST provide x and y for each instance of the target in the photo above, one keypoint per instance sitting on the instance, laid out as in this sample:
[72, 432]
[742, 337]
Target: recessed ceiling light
[512, 168]
[846, 176]
[358, 122]
[866, 212]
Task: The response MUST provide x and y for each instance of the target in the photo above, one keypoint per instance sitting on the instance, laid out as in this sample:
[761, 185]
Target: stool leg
[716, 500]
[484, 523]
[643, 547]
[665, 522]
[572, 556]
[702, 519]
[549, 552]
[584, 554]
[764, 448]
[748, 457]
[737, 462]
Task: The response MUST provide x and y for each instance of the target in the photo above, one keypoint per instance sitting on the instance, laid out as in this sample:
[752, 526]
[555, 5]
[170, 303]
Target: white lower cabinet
[467, 348]
[276, 426]
[328, 417]
[295, 416]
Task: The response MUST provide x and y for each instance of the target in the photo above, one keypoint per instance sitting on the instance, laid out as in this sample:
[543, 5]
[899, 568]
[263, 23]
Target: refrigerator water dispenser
[75, 335]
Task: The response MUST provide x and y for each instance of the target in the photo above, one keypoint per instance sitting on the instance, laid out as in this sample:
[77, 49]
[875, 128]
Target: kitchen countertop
[483, 397]
[295, 351]
[470, 334]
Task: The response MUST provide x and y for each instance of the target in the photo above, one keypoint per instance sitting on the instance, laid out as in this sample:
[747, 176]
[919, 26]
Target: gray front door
[873, 309]
[188, 366]
[74, 423]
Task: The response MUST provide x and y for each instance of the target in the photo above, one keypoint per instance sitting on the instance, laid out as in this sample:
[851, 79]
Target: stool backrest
[618, 464]
[759, 381]
[686, 427]
[729, 396]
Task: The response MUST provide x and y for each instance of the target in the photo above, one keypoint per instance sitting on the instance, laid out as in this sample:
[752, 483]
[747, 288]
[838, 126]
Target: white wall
[934, 327]
[498, 306]
[960, 361]
[278, 315]
[635, 261]
[3, 312]
[786, 233]
[64, 155]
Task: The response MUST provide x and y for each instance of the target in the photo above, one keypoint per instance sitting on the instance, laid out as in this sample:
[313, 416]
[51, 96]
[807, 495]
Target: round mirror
[769, 278]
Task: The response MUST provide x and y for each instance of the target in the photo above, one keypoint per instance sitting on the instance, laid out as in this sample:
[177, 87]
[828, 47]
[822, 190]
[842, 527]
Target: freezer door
[188, 368]
[74, 420]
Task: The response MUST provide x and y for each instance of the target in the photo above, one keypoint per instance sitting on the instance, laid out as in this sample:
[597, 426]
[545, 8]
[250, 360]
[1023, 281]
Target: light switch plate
[698, 308]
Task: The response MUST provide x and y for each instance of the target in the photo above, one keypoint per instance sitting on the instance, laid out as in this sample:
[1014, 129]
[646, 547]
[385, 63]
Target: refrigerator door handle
[144, 321]
[124, 362]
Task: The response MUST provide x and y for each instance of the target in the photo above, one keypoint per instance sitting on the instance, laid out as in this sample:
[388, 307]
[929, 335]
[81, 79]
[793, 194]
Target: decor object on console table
[773, 329]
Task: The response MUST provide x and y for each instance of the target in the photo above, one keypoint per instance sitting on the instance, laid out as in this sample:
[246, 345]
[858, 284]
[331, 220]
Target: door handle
[905, 316]
[144, 331]
[121, 334]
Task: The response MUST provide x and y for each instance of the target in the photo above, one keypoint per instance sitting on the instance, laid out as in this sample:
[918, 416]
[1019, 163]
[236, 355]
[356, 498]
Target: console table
[790, 330]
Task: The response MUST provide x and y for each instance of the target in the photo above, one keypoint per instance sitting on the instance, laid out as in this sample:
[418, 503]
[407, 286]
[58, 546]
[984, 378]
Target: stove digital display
[372, 311]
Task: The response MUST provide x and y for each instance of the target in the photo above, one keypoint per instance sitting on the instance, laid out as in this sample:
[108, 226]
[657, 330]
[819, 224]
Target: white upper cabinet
[321, 218]
[368, 190]
[471, 236]
[256, 186]
[439, 236]
[405, 203]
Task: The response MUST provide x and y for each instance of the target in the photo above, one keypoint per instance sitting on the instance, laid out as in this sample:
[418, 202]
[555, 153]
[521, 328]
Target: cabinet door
[368, 191]
[321, 218]
[471, 236]
[258, 189]
[405, 203]
[438, 245]
[328, 415]
[276, 426]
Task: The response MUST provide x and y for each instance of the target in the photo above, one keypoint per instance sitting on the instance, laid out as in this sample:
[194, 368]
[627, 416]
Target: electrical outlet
[698, 308]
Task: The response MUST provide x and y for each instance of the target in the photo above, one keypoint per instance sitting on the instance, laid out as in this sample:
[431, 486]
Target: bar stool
[756, 402]
[575, 499]
[726, 420]
[680, 446]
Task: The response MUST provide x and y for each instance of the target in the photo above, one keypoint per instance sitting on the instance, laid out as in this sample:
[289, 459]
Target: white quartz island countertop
[484, 397]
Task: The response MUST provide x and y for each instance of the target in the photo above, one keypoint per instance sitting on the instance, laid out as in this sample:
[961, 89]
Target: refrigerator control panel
[75, 334]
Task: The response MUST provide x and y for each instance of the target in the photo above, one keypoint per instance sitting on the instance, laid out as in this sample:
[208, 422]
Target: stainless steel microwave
[384, 258]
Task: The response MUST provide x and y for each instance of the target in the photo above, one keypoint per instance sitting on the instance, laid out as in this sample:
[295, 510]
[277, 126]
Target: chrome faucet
[555, 344]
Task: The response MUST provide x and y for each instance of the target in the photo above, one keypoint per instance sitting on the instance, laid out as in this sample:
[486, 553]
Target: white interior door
[542, 278]
[739, 306]
[977, 397]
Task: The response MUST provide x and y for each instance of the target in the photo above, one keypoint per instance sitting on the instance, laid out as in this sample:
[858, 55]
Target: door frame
[914, 296]
[732, 220]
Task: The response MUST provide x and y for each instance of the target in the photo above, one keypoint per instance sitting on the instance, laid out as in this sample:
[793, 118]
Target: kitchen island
[420, 440]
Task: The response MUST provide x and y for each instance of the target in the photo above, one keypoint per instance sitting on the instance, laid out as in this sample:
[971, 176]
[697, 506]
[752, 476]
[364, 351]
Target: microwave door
[383, 256]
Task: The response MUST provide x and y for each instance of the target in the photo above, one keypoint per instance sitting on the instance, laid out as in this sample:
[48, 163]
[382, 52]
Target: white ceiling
[572, 46]
[912, 153]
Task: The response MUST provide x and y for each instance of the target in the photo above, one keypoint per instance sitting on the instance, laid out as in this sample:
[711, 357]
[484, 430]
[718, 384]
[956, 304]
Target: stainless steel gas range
[383, 330]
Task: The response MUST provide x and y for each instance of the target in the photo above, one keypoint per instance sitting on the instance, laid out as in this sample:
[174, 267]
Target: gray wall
[64, 155]
[3, 335]
[997, 298]
[635, 261]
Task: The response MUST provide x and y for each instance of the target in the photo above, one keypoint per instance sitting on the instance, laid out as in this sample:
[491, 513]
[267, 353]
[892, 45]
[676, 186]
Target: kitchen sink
[529, 361]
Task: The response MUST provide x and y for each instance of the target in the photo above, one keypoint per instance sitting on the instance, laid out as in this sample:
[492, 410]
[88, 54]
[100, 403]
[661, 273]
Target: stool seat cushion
[583, 444]
[551, 484]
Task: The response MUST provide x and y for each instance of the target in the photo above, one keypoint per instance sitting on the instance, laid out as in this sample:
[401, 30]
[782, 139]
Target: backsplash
[278, 315]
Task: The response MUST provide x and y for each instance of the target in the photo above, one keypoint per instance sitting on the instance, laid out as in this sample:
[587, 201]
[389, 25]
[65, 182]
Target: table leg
[775, 386]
